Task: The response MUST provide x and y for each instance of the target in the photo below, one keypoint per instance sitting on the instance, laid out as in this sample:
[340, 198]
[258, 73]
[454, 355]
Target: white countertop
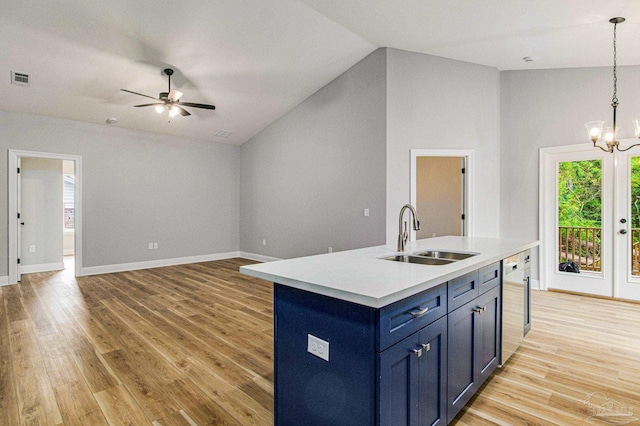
[362, 277]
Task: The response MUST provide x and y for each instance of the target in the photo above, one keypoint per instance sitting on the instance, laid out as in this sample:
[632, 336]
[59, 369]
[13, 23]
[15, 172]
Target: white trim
[4, 280]
[42, 267]
[68, 252]
[149, 264]
[13, 155]
[468, 176]
[257, 257]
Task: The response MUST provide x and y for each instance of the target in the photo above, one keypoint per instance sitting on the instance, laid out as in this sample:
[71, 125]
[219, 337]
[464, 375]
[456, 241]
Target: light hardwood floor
[193, 344]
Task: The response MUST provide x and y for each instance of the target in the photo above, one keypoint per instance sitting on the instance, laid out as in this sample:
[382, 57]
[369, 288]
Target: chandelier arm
[610, 149]
[628, 148]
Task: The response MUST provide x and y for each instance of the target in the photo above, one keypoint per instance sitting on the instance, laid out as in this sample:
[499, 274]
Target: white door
[626, 226]
[605, 246]
[20, 222]
[568, 235]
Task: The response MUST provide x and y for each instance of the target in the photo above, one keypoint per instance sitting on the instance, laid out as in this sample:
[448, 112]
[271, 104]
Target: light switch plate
[318, 347]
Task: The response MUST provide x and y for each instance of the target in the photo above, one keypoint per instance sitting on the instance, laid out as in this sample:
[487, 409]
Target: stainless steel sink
[419, 259]
[450, 255]
[431, 257]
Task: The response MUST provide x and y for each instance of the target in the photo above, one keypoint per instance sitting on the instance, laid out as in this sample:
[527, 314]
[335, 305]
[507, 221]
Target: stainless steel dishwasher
[513, 303]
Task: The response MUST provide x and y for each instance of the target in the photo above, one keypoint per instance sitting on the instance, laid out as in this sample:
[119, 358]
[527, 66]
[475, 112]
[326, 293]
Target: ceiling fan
[170, 101]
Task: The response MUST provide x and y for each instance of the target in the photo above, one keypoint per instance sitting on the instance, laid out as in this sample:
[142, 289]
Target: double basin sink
[431, 257]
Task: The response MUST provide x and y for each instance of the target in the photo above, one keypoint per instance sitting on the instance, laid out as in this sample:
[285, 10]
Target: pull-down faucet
[403, 236]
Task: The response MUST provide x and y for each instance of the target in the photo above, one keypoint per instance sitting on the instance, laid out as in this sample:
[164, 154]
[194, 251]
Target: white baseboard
[43, 267]
[257, 257]
[4, 280]
[68, 252]
[133, 266]
[122, 267]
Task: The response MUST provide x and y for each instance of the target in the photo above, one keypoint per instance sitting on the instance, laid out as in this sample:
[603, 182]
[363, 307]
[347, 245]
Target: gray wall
[137, 188]
[438, 103]
[546, 108]
[307, 178]
[41, 211]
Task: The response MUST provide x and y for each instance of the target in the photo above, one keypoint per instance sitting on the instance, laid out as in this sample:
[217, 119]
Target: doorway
[590, 221]
[442, 191]
[17, 222]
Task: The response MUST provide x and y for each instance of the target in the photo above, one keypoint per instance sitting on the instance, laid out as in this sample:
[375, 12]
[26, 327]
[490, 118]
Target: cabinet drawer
[490, 277]
[462, 290]
[404, 317]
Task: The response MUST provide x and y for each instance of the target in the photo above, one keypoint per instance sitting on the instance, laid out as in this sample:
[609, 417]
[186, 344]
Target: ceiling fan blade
[146, 105]
[183, 111]
[191, 104]
[139, 94]
[174, 95]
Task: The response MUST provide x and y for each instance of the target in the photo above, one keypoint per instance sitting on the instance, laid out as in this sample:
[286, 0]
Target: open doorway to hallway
[44, 198]
[442, 192]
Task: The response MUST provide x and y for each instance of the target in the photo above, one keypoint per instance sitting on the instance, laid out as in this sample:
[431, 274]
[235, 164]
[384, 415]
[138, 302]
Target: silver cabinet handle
[426, 347]
[419, 312]
[418, 352]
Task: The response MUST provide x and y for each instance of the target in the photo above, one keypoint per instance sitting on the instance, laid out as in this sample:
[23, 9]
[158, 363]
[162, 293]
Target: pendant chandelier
[611, 133]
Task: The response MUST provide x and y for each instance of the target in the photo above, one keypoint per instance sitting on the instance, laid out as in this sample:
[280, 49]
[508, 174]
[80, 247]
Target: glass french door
[590, 221]
[626, 226]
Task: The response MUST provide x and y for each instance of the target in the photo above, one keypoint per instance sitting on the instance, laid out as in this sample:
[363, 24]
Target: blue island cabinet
[394, 365]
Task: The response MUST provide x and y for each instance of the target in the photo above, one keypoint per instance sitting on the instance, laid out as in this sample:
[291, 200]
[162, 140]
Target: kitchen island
[364, 340]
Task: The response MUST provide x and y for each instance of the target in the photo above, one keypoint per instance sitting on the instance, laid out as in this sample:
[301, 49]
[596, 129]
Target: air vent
[223, 133]
[20, 78]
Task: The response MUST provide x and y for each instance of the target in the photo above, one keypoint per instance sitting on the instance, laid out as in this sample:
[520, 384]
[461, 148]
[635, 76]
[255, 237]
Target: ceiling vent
[20, 78]
[223, 133]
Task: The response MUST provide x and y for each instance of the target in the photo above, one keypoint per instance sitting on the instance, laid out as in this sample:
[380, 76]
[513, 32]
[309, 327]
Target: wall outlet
[318, 347]
[150, 246]
[155, 246]
[366, 212]
[264, 242]
[329, 249]
[32, 249]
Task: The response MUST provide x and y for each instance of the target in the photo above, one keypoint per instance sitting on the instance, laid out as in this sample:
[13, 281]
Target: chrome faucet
[403, 236]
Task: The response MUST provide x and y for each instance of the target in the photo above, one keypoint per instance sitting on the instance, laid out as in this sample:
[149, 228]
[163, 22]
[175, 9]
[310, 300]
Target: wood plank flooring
[193, 344]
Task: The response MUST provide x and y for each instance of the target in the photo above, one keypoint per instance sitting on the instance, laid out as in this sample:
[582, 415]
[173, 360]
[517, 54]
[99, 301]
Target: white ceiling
[256, 59]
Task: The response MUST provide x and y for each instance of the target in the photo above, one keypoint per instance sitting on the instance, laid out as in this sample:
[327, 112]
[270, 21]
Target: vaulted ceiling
[255, 59]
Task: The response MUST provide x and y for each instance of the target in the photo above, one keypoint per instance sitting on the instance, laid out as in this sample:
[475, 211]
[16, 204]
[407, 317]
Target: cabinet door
[462, 376]
[433, 374]
[398, 383]
[488, 334]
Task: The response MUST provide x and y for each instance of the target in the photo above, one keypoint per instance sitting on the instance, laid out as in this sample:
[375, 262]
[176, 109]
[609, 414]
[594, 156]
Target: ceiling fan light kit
[170, 101]
[594, 128]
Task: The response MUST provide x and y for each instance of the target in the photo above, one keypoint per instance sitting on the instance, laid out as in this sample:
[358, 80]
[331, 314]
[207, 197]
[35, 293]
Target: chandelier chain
[614, 100]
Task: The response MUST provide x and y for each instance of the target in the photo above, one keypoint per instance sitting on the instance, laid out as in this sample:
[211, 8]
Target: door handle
[22, 223]
[623, 231]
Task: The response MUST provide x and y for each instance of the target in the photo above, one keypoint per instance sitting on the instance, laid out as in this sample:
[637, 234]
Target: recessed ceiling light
[111, 120]
[223, 133]
[529, 59]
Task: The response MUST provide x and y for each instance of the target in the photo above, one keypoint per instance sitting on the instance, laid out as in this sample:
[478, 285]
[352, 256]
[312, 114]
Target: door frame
[467, 179]
[12, 193]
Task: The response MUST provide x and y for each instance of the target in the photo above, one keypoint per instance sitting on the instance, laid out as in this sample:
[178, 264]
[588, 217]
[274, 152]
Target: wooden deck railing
[635, 251]
[580, 245]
